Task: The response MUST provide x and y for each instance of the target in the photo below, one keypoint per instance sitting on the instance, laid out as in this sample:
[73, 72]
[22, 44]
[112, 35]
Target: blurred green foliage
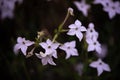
[34, 15]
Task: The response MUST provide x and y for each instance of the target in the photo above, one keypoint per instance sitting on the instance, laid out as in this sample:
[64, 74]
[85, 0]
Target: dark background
[34, 15]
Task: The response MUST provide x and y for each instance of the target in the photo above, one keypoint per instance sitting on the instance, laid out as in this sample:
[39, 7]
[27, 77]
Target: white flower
[69, 48]
[101, 66]
[82, 6]
[22, 44]
[7, 8]
[93, 44]
[76, 29]
[50, 47]
[111, 9]
[45, 58]
[91, 33]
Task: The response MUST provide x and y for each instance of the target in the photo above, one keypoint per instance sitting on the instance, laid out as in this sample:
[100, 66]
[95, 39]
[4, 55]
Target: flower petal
[67, 54]
[106, 67]
[91, 48]
[72, 26]
[79, 36]
[28, 43]
[99, 70]
[55, 45]
[16, 48]
[24, 49]
[20, 39]
[78, 23]
[94, 64]
[44, 45]
[82, 28]
[71, 32]
[44, 60]
[72, 44]
[50, 61]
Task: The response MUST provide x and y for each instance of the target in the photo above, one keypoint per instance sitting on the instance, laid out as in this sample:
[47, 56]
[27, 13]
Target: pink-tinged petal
[91, 25]
[71, 32]
[24, 49]
[72, 26]
[112, 14]
[55, 45]
[74, 52]
[89, 41]
[67, 54]
[99, 70]
[72, 44]
[78, 23]
[20, 39]
[62, 47]
[91, 48]
[38, 55]
[49, 42]
[44, 60]
[16, 48]
[54, 54]
[79, 36]
[77, 4]
[28, 43]
[82, 28]
[44, 45]
[106, 67]
[84, 11]
[98, 49]
[94, 64]
[50, 61]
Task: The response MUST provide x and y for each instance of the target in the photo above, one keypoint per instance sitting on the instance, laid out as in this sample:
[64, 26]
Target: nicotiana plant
[50, 45]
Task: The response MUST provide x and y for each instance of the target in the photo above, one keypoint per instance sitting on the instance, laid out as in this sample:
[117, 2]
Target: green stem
[60, 27]
[67, 16]
[55, 37]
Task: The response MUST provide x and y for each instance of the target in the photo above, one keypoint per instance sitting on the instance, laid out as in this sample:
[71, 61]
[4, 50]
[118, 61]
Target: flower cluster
[7, 8]
[49, 46]
[109, 6]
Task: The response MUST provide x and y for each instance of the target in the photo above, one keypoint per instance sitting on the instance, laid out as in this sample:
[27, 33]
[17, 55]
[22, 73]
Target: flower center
[100, 63]
[23, 42]
[69, 47]
[76, 29]
[94, 43]
[91, 31]
[49, 47]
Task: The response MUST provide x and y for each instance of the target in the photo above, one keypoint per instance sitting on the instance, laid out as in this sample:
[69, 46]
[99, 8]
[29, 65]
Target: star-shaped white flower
[91, 33]
[94, 45]
[69, 48]
[101, 66]
[50, 47]
[45, 58]
[82, 6]
[22, 44]
[111, 10]
[7, 8]
[76, 29]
